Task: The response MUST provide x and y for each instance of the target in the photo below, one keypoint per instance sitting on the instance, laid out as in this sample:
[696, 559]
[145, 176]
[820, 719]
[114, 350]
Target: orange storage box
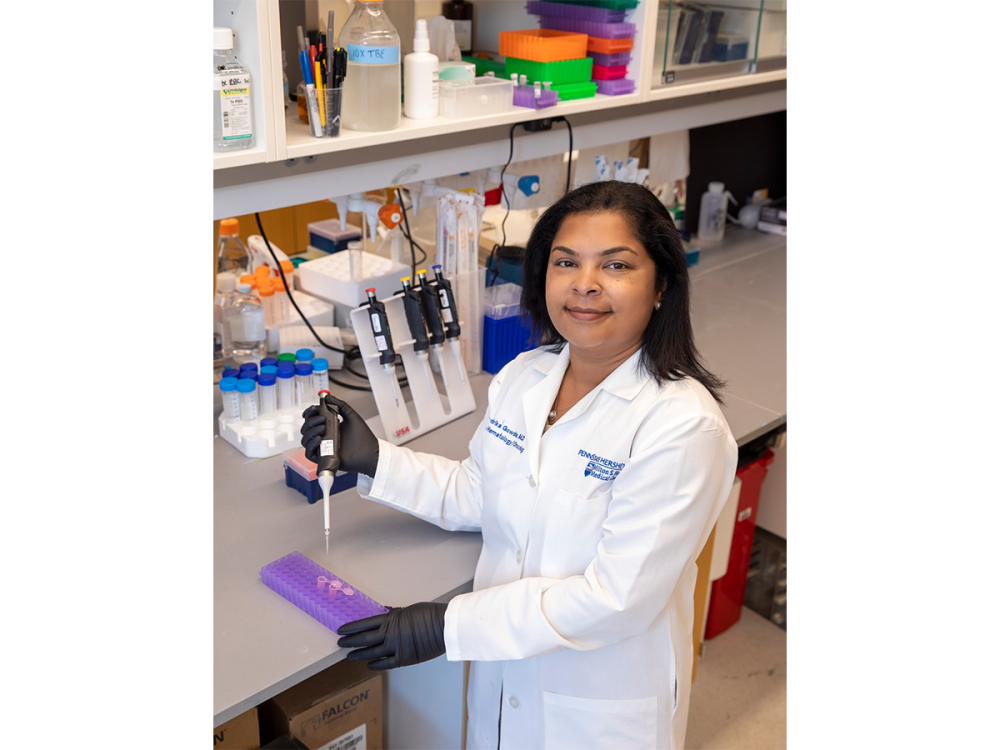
[604, 46]
[544, 45]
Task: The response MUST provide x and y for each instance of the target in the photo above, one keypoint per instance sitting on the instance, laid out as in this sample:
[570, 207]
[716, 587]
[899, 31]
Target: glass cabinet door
[698, 41]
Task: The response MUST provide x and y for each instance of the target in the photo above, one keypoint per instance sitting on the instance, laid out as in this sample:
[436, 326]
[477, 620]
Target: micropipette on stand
[329, 459]
[449, 315]
[383, 339]
[415, 321]
[432, 315]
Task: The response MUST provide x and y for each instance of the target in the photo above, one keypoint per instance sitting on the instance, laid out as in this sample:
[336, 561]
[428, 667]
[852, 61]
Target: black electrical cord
[569, 161]
[288, 288]
[409, 237]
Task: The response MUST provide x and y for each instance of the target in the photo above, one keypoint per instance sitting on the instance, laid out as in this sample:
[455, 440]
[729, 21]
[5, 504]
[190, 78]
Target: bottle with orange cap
[247, 324]
[233, 255]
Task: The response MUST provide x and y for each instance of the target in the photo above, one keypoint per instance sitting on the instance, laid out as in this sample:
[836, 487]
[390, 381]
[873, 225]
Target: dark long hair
[668, 350]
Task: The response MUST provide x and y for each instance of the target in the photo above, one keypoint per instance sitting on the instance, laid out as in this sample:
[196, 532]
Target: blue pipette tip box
[318, 592]
[300, 475]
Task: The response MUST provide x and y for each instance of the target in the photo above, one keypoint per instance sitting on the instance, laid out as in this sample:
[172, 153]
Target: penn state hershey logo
[600, 468]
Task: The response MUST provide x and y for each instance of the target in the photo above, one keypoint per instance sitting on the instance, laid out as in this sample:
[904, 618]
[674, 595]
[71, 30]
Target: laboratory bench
[264, 645]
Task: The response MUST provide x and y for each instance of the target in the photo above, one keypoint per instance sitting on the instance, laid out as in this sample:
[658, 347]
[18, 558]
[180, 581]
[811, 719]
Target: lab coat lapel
[538, 402]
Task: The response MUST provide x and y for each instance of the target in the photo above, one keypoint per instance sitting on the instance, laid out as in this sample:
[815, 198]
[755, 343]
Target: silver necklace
[555, 412]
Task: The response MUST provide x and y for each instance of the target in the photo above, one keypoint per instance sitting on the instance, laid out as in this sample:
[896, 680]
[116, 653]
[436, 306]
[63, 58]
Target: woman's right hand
[358, 446]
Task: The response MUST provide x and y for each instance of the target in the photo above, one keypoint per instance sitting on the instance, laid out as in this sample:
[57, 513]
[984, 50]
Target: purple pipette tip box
[616, 87]
[318, 592]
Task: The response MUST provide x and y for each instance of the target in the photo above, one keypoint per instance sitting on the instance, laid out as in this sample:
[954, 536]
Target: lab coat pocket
[574, 723]
[593, 504]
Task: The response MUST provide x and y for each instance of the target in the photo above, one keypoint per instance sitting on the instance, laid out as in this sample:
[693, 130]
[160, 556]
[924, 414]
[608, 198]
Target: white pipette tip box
[343, 277]
[272, 433]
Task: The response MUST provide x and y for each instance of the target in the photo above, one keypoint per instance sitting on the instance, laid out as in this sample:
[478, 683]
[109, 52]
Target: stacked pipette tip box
[554, 58]
[318, 592]
[609, 37]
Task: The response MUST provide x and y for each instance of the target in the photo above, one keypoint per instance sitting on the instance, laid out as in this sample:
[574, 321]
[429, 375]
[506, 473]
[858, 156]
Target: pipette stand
[270, 435]
[396, 423]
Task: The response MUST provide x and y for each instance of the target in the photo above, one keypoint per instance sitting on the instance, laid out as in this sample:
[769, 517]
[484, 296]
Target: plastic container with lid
[543, 45]
[247, 388]
[303, 385]
[268, 392]
[505, 332]
[480, 96]
[246, 324]
[321, 375]
[286, 385]
[232, 255]
[304, 355]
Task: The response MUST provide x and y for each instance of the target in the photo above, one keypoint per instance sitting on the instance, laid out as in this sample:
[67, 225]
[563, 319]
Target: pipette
[449, 315]
[418, 329]
[383, 339]
[329, 459]
[432, 315]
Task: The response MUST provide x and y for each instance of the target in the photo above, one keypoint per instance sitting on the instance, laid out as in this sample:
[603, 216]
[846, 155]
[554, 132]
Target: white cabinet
[420, 149]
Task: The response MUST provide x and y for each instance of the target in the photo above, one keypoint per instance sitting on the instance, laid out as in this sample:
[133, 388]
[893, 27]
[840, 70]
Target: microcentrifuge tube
[248, 400]
[268, 393]
[286, 385]
[230, 398]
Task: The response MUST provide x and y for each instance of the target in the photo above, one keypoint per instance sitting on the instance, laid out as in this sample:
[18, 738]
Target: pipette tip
[327, 532]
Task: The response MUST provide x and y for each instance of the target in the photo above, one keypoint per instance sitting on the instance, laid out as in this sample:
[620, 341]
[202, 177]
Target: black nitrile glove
[358, 446]
[398, 638]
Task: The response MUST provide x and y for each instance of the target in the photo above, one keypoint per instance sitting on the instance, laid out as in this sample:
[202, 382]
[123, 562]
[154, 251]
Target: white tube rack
[400, 424]
[270, 435]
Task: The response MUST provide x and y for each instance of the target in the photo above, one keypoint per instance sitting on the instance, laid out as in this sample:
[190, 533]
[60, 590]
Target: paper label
[234, 99]
[380, 343]
[326, 448]
[376, 325]
[744, 514]
[362, 55]
[356, 739]
[446, 315]
[463, 34]
[444, 298]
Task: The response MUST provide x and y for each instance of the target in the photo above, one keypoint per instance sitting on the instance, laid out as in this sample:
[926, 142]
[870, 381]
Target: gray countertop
[264, 645]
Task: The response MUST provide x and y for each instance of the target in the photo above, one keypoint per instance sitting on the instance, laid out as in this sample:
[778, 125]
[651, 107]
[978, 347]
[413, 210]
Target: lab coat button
[514, 702]
[519, 555]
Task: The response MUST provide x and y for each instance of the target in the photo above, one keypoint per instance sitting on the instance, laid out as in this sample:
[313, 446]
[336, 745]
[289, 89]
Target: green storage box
[484, 65]
[564, 71]
[569, 91]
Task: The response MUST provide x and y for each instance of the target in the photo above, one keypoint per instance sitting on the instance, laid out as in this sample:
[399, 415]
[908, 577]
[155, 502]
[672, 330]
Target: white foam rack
[270, 435]
[400, 424]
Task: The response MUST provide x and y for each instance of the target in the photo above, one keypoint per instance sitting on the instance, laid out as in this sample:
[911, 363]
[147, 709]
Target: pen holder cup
[332, 103]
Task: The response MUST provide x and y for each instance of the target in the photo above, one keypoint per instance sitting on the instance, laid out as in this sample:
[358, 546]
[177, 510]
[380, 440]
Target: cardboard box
[341, 708]
[240, 733]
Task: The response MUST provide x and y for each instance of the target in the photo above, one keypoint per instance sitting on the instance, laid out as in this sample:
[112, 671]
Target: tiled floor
[738, 698]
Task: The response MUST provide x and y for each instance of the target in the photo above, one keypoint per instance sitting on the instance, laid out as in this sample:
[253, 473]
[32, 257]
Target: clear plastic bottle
[246, 325]
[712, 218]
[231, 101]
[225, 295]
[372, 89]
[233, 254]
[420, 77]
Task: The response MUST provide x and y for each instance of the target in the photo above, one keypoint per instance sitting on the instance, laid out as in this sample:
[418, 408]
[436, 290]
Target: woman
[596, 476]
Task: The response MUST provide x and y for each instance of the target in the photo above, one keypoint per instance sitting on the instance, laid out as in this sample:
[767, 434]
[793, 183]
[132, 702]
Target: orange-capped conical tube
[288, 267]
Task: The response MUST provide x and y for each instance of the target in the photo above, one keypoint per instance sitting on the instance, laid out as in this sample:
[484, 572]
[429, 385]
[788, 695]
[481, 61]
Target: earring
[657, 306]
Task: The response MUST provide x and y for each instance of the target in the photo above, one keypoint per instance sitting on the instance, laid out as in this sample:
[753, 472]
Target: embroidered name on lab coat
[600, 468]
[506, 435]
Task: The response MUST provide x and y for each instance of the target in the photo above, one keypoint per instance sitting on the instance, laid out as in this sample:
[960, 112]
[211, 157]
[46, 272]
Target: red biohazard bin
[726, 601]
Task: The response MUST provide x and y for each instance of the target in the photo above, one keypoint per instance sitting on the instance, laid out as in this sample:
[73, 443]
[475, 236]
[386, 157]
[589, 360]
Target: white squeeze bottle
[712, 218]
[372, 95]
[420, 78]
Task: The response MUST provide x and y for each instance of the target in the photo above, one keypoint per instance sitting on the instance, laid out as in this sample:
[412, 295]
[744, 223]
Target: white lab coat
[579, 626]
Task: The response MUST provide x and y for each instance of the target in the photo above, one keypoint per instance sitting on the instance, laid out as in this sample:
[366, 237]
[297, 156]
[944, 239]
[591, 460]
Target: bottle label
[434, 85]
[463, 34]
[357, 53]
[234, 98]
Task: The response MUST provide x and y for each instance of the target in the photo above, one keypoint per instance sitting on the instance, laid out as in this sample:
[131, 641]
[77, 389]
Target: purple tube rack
[616, 87]
[582, 12]
[524, 96]
[590, 28]
[610, 61]
[318, 592]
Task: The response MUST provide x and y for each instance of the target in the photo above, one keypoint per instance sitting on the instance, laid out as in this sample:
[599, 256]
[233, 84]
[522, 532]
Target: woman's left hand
[398, 638]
